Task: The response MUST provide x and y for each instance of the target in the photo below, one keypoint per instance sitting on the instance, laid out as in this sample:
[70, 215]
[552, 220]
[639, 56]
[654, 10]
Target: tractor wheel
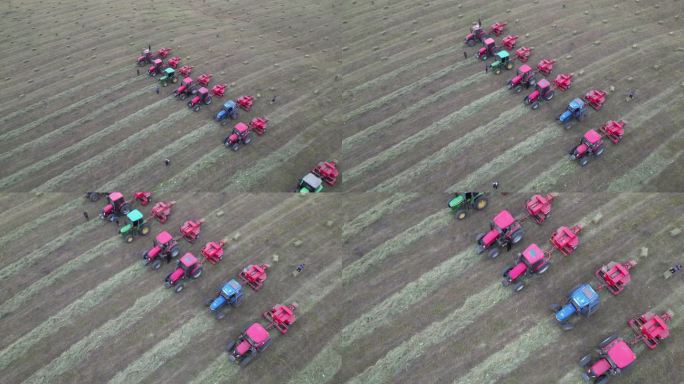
[93, 196]
[479, 237]
[145, 229]
[197, 273]
[246, 360]
[567, 326]
[494, 253]
[129, 238]
[235, 147]
[532, 82]
[471, 42]
[555, 307]
[510, 84]
[497, 71]
[518, 89]
[156, 264]
[481, 203]
[196, 108]
[509, 65]
[153, 74]
[585, 360]
[126, 209]
[535, 105]
[179, 288]
[567, 125]
[247, 140]
[505, 282]
[607, 341]
[164, 84]
[584, 161]
[175, 251]
[603, 380]
[526, 100]
[208, 100]
[519, 287]
[585, 377]
[266, 345]
[208, 302]
[182, 96]
[484, 57]
[461, 214]
[544, 268]
[550, 95]
[174, 80]
[231, 346]
[220, 315]
[516, 237]
[600, 151]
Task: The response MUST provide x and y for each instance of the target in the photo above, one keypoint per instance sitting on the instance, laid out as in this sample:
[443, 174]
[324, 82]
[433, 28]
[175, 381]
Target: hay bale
[597, 42]
[612, 88]
[675, 232]
[219, 213]
[329, 223]
[275, 258]
[644, 252]
[597, 218]
[297, 243]
[236, 236]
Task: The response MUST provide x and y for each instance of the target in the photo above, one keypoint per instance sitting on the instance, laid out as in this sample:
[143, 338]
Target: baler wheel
[174, 80]
[461, 214]
[164, 84]
[509, 66]
[247, 140]
[484, 57]
[585, 360]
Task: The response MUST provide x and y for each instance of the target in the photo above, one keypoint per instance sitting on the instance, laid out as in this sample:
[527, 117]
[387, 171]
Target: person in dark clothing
[168, 257]
[273, 100]
[85, 214]
[157, 90]
[631, 94]
[149, 47]
[117, 222]
[486, 68]
[495, 185]
[676, 268]
[465, 54]
[300, 267]
[508, 246]
[167, 162]
[479, 22]
[137, 70]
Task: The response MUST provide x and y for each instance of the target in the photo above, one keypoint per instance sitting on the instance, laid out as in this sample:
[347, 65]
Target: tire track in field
[561, 168]
[93, 297]
[453, 148]
[371, 259]
[373, 214]
[417, 290]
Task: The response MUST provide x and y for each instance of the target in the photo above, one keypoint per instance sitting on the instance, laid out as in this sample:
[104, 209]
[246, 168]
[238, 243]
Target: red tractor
[186, 89]
[523, 54]
[258, 125]
[542, 91]
[533, 260]
[650, 328]
[164, 246]
[326, 171]
[240, 134]
[254, 339]
[162, 210]
[476, 34]
[204, 79]
[613, 130]
[510, 41]
[255, 275]
[615, 276]
[201, 97]
[145, 58]
[590, 144]
[281, 317]
[595, 98]
[497, 28]
[188, 266]
[489, 49]
[116, 206]
[245, 102]
[505, 231]
[545, 66]
[524, 78]
[213, 251]
[156, 68]
[191, 230]
[174, 62]
[563, 81]
[614, 355]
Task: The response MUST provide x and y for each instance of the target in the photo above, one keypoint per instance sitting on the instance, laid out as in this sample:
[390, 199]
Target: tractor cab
[186, 88]
[156, 67]
[169, 76]
[202, 97]
[592, 140]
[532, 260]
[134, 219]
[525, 77]
[253, 339]
[525, 71]
[577, 108]
[533, 257]
[239, 135]
[542, 91]
[232, 291]
[310, 183]
[503, 60]
[163, 240]
[116, 206]
[543, 87]
[116, 199]
[476, 33]
[188, 263]
[489, 49]
[503, 223]
[229, 110]
[590, 144]
[582, 300]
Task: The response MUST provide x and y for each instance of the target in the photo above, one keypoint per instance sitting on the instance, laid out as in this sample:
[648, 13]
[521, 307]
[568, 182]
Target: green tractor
[169, 77]
[310, 184]
[135, 225]
[503, 61]
[463, 202]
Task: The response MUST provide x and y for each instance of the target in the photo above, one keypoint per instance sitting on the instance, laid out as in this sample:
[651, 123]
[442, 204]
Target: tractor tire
[220, 315]
[505, 282]
[247, 140]
[153, 74]
[600, 151]
[231, 346]
[93, 196]
[208, 100]
[179, 288]
[509, 66]
[518, 89]
[470, 43]
[174, 252]
[129, 238]
[510, 84]
[174, 80]
[532, 82]
[111, 217]
[585, 360]
[526, 100]
[603, 380]
[144, 229]
[543, 269]
[497, 71]
[479, 237]
[208, 302]
[567, 126]
[519, 287]
[246, 360]
[235, 147]
[484, 57]
[164, 84]
[481, 203]
[584, 161]
[183, 96]
[549, 96]
[156, 264]
[461, 214]
[517, 237]
[607, 341]
[585, 377]
[266, 345]
[494, 253]
[197, 107]
[567, 326]
[555, 307]
[535, 105]
[126, 209]
[197, 273]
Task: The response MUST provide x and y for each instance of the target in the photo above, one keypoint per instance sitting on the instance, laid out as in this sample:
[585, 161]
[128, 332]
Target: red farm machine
[258, 125]
[174, 62]
[476, 34]
[591, 144]
[187, 267]
[506, 230]
[156, 68]
[204, 79]
[253, 340]
[281, 317]
[190, 230]
[186, 89]
[523, 54]
[201, 97]
[535, 261]
[164, 246]
[497, 29]
[254, 275]
[509, 42]
[185, 70]
[162, 210]
[545, 66]
[116, 206]
[219, 90]
[595, 98]
[241, 135]
[489, 49]
[245, 102]
[525, 78]
[615, 276]
[213, 251]
[542, 91]
[563, 81]
[147, 57]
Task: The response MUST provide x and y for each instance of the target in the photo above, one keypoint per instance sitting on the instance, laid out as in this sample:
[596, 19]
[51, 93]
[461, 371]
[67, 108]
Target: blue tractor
[582, 300]
[229, 110]
[577, 109]
[231, 293]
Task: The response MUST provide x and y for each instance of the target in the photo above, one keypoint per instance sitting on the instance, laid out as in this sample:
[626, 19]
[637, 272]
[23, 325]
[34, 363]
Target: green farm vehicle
[134, 225]
[503, 61]
[169, 77]
[464, 201]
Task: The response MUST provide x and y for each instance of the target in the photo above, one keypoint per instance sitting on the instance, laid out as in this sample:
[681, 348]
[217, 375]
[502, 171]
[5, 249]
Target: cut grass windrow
[22, 297]
[434, 129]
[662, 157]
[116, 149]
[429, 225]
[90, 140]
[564, 166]
[155, 357]
[375, 213]
[32, 258]
[97, 338]
[452, 149]
[362, 136]
[64, 317]
[91, 116]
[385, 369]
